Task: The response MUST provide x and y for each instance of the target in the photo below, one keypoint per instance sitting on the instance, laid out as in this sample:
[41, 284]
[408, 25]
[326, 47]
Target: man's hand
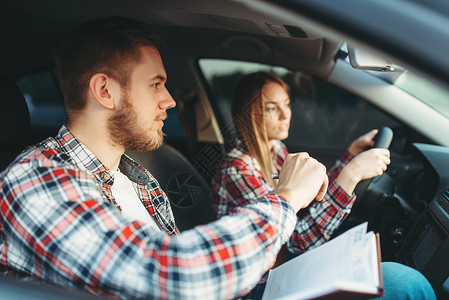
[301, 180]
[366, 165]
[360, 144]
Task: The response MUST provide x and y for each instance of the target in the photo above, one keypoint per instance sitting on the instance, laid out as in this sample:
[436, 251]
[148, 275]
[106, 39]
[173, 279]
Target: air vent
[445, 196]
[443, 201]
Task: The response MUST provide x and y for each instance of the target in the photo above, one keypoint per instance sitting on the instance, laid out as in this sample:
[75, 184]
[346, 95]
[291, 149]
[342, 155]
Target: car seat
[187, 190]
[15, 123]
[15, 135]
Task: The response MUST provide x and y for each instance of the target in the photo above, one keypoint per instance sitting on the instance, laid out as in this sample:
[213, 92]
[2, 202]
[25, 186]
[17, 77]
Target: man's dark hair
[109, 45]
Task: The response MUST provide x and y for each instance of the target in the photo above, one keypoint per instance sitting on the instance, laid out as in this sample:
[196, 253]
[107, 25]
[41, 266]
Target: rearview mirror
[360, 59]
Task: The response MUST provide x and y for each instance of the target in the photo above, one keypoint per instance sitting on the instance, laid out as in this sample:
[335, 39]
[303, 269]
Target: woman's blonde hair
[248, 111]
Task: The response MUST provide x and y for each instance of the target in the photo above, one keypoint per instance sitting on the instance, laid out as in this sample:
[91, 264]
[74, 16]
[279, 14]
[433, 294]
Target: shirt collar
[82, 156]
[277, 147]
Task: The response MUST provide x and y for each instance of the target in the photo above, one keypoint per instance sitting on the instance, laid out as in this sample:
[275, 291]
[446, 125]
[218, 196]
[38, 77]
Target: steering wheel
[381, 140]
[368, 209]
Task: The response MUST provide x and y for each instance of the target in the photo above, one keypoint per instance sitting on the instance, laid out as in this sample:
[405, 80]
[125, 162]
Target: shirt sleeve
[242, 184]
[339, 165]
[236, 185]
[319, 220]
[56, 225]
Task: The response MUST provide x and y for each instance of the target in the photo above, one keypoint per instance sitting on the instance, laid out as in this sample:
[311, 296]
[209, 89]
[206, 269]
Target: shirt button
[107, 176]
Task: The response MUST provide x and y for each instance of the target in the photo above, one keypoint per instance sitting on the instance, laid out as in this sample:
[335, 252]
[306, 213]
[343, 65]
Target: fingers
[371, 134]
[367, 164]
[368, 138]
[381, 159]
[382, 155]
[361, 143]
[372, 162]
[323, 190]
[385, 161]
[301, 180]
[301, 155]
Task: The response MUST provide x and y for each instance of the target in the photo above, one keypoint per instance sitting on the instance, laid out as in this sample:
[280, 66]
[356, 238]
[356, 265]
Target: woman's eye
[270, 109]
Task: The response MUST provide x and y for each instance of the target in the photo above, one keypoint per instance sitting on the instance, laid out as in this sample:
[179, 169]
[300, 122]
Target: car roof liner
[194, 27]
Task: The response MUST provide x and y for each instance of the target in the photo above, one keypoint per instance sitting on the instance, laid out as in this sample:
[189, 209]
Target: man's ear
[103, 89]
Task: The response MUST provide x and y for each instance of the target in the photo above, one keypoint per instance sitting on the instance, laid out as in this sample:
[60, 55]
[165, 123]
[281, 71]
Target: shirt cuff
[339, 195]
[346, 157]
[289, 222]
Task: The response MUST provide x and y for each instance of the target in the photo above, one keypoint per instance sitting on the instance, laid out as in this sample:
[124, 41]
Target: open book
[347, 267]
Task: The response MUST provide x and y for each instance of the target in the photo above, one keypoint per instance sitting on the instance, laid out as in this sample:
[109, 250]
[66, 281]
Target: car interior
[16, 117]
[339, 92]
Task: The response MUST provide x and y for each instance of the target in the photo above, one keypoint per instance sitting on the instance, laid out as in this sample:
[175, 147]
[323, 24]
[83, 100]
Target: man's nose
[167, 102]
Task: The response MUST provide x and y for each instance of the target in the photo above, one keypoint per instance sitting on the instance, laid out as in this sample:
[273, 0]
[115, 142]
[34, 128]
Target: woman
[261, 110]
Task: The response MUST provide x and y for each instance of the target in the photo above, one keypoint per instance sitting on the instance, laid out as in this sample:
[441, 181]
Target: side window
[172, 126]
[46, 106]
[324, 117]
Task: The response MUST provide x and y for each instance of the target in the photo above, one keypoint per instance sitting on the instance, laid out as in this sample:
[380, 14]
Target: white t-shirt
[125, 196]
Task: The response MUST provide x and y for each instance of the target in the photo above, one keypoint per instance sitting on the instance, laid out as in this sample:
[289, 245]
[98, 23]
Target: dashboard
[426, 245]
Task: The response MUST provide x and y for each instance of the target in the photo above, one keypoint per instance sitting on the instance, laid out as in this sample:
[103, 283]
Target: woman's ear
[103, 89]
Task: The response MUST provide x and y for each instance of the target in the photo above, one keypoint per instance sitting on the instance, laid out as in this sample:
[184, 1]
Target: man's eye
[156, 85]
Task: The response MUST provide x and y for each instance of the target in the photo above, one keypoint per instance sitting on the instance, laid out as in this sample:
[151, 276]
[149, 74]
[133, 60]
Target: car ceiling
[214, 28]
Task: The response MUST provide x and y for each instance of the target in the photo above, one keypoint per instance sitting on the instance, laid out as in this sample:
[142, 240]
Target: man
[77, 212]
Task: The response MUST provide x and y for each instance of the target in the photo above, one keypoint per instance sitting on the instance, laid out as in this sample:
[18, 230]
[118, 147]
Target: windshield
[424, 90]
[413, 84]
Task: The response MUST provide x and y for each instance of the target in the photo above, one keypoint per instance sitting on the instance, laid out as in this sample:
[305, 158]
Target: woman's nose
[284, 113]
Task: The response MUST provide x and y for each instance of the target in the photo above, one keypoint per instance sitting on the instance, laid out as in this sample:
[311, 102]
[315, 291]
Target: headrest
[15, 125]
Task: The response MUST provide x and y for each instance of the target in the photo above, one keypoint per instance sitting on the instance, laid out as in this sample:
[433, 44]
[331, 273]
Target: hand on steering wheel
[381, 140]
[369, 208]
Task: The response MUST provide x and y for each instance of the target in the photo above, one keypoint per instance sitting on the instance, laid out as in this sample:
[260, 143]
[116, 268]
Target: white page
[321, 270]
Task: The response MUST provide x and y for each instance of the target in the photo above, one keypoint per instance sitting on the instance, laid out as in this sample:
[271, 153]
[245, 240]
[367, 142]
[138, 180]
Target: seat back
[15, 125]
[188, 192]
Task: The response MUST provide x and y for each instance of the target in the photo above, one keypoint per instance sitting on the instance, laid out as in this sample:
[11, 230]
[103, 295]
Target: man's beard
[124, 130]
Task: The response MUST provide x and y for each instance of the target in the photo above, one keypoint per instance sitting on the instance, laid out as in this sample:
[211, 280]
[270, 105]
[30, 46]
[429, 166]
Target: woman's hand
[360, 144]
[367, 164]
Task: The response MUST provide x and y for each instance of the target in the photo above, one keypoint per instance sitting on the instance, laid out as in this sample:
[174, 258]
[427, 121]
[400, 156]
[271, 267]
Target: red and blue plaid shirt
[239, 182]
[59, 222]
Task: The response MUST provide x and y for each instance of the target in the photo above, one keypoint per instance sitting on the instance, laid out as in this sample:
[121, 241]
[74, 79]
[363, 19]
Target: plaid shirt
[239, 181]
[59, 222]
